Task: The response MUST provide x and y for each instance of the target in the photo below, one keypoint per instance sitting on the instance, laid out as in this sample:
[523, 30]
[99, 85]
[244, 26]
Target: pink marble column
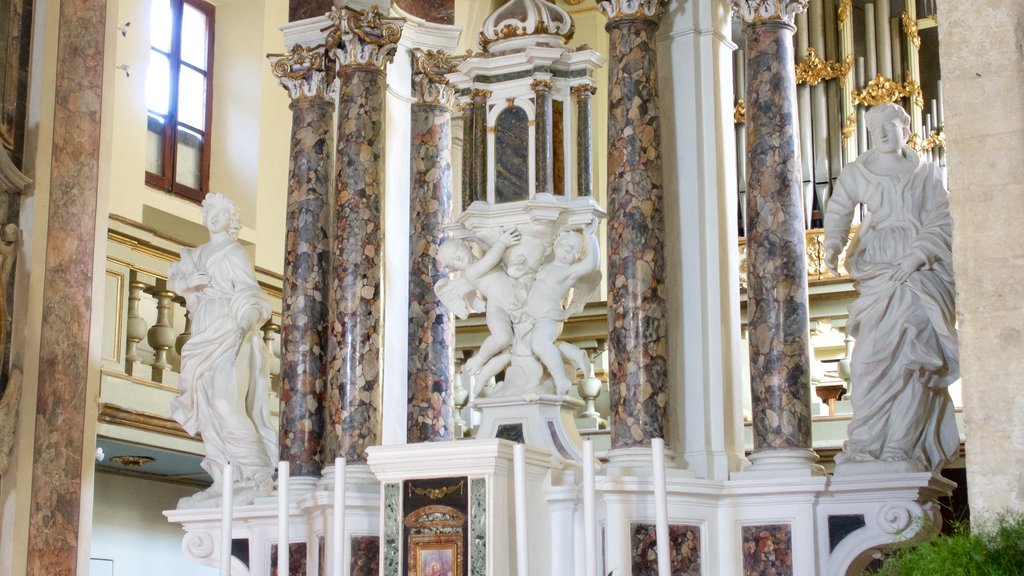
[777, 273]
[62, 398]
[637, 322]
[304, 311]
[431, 326]
[366, 44]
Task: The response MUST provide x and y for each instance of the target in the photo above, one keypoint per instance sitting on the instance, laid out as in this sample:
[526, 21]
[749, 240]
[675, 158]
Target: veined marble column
[584, 139]
[637, 320]
[479, 150]
[366, 43]
[777, 273]
[431, 326]
[544, 165]
[468, 186]
[304, 311]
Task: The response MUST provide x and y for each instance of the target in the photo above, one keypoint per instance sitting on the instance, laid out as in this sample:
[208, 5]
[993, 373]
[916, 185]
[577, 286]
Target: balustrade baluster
[136, 328]
[161, 336]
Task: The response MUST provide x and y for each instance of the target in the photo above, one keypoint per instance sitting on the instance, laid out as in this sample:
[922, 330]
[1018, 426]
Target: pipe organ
[853, 54]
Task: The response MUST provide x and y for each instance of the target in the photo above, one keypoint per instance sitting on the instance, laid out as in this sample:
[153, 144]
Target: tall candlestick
[338, 536]
[519, 475]
[589, 512]
[283, 547]
[661, 506]
[227, 500]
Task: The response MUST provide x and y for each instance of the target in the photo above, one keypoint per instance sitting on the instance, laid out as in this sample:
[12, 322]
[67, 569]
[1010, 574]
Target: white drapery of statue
[225, 365]
[525, 304]
[904, 317]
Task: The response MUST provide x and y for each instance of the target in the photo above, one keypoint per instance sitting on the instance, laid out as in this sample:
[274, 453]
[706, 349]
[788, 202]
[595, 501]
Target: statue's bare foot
[263, 484]
[562, 385]
[472, 366]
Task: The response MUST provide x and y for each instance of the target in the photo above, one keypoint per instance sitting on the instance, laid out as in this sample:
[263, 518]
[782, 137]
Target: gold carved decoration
[813, 70]
[844, 11]
[739, 113]
[511, 30]
[910, 29]
[914, 141]
[850, 128]
[936, 139]
[539, 85]
[131, 461]
[883, 90]
[438, 493]
[478, 93]
[583, 90]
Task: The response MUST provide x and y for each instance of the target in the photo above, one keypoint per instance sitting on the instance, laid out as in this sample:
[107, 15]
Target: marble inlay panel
[511, 159]
[684, 547]
[768, 550]
[431, 326]
[302, 9]
[62, 396]
[305, 313]
[478, 527]
[437, 11]
[365, 556]
[296, 559]
[776, 271]
[636, 238]
[354, 391]
[392, 530]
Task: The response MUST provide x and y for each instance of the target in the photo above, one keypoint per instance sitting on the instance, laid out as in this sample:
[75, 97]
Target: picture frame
[435, 555]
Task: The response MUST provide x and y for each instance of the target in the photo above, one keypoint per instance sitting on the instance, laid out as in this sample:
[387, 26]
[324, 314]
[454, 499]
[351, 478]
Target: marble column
[468, 186]
[777, 274]
[544, 164]
[431, 326]
[584, 140]
[637, 321]
[62, 433]
[304, 310]
[366, 43]
[479, 149]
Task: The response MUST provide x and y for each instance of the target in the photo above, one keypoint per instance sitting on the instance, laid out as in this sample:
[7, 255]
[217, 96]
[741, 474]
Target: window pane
[192, 97]
[193, 37]
[158, 83]
[155, 145]
[189, 157]
[161, 23]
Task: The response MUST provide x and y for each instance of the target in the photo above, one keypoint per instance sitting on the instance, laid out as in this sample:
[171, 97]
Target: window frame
[167, 181]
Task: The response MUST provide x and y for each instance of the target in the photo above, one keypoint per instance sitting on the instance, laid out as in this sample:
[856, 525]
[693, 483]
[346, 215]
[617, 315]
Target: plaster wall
[982, 55]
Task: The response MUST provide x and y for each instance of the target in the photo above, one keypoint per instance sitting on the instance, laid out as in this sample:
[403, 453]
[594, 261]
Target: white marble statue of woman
[225, 377]
[904, 316]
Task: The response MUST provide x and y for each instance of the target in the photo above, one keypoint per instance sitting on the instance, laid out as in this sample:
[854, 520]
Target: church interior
[530, 286]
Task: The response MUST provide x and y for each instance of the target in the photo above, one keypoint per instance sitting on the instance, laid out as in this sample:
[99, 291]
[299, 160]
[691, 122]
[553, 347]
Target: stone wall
[982, 58]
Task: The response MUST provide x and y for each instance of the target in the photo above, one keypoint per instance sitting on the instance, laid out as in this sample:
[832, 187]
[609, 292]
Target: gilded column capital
[542, 85]
[583, 90]
[766, 10]
[363, 37]
[627, 9]
[303, 72]
[429, 84]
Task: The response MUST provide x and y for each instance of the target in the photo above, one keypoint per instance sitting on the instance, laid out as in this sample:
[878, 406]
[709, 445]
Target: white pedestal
[544, 420]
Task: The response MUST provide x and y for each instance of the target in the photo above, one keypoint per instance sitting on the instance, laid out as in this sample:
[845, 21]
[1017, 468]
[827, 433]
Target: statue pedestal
[544, 420]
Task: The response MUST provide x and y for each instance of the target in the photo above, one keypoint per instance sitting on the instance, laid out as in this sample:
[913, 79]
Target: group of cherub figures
[525, 306]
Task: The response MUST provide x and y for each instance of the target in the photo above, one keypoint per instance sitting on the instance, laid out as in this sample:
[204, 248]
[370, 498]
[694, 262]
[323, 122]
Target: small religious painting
[437, 560]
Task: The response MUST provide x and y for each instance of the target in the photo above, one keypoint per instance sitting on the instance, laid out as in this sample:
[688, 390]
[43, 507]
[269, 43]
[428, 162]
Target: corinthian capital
[429, 84]
[760, 10]
[302, 72]
[363, 37]
[652, 9]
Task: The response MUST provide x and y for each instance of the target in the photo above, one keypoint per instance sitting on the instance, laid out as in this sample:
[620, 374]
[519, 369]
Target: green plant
[993, 548]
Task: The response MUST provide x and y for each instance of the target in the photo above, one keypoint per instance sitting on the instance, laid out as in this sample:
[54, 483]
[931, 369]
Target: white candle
[519, 469]
[283, 548]
[227, 500]
[589, 512]
[661, 506]
[338, 532]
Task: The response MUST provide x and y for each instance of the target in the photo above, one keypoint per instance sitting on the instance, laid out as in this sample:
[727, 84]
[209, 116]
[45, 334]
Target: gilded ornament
[936, 139]
[430, 69]
[477, 93]
[850, 128]
[363, 37]
[539, 85]
[438, 493]
[302, 71]
[583, 90]
[632, 8]
[844, 11]
[752, 11]
[883, 90]
[131, 461]
[813, 70]
[739, 113]
[910, 29]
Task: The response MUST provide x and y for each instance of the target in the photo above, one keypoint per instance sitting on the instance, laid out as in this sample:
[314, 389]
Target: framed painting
[435, 555]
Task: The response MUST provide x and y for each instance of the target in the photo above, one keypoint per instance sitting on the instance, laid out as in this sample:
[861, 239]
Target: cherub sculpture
[562, 288]
[483, 279]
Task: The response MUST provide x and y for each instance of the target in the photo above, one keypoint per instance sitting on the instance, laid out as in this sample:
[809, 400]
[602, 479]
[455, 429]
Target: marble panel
[365, 558]
[392, 529]
[768, 550]
[62, 396]
[437, 11]
[431, 325]
[511, 155]
[776, 271]
[636, 237]
[296, 559]
[354, 390]
[684, 549]
[302, 9]
[305, 313]
[478, 527]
